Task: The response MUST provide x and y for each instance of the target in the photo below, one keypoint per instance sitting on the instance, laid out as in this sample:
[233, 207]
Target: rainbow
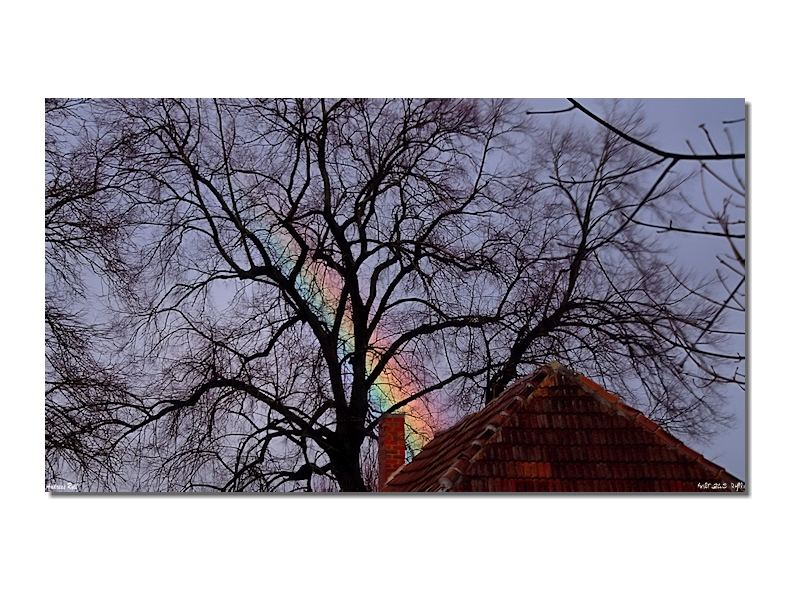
[320, 287]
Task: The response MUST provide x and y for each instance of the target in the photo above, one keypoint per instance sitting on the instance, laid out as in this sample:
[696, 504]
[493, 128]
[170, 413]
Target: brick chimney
[392, 445]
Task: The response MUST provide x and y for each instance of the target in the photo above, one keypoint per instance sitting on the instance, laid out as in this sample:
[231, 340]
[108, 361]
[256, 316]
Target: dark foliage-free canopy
[229, 282]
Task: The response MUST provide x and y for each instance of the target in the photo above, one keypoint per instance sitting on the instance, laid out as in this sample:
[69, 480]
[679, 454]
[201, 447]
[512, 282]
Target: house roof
[558, 431]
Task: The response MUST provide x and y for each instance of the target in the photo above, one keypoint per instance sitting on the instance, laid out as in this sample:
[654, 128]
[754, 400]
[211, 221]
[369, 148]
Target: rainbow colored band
[320, 288]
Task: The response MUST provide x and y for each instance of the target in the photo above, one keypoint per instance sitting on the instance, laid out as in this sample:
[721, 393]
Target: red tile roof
[558, 431]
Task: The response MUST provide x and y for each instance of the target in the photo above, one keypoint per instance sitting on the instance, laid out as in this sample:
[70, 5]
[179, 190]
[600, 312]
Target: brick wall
[392, 445]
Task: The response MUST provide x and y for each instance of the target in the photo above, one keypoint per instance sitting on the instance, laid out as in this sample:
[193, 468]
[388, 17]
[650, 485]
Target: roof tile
[556, 430]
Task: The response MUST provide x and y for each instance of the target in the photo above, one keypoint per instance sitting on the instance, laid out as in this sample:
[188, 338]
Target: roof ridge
[468, 457]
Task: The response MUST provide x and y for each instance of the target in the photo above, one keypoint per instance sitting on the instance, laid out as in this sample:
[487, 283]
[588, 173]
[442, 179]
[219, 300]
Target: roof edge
[530, 384]
[514, 398]
[669, 441]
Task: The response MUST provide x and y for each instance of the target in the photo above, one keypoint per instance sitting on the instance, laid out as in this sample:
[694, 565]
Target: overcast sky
[678, 120]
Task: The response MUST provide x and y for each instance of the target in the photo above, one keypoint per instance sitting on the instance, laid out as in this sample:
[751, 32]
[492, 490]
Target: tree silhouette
[717, 215]
[250, 284]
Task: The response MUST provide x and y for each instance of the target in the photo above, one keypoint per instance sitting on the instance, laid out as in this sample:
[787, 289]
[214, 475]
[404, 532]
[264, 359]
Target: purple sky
[679, 120]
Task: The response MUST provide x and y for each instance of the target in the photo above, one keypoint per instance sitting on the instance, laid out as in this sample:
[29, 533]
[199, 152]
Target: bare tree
[277, 274]
[716, 211]
[88, 228]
